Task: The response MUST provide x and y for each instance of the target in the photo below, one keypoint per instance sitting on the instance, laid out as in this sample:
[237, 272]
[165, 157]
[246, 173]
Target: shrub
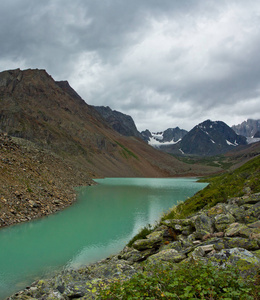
[193, 280]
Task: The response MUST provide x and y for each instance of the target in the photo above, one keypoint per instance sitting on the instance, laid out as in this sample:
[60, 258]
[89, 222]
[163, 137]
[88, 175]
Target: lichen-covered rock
[212, 235]
[218, 209]
[239, 242]
[197, 253]
[131, 255]
[234, 229]
[242, 230]
[152, 239]
[176, 245]
[254, 211]
[252, 199]
[179, 226]
[223, 220]
[203, 225]
[83, 283]
[254, 225]
[238, 213]
[169, 255]
[173, 222]
[256, 253]
[244, 260]
[201, 251]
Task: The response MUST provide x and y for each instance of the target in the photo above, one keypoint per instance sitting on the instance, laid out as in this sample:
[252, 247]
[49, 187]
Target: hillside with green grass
[242, 181]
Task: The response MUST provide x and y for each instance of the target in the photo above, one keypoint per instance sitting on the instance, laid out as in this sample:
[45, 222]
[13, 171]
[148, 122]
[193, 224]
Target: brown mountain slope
[54, 117]
[34, 182]
[56, 141]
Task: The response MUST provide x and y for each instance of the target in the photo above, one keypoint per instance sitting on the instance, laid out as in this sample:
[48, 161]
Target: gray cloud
[167, 63]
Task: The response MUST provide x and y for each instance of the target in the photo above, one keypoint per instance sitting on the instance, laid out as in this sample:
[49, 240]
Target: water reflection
[102, 221]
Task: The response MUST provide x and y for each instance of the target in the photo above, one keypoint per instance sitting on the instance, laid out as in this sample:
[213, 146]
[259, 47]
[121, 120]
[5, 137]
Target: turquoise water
[100, 223]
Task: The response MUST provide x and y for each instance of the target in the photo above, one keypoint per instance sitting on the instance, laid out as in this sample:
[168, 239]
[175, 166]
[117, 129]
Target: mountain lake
[100, 223]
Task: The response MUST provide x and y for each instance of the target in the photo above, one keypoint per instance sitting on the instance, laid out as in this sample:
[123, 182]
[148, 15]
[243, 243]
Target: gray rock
[238, 213]
[182, 222]
[203, 225]
[176, 245]
[131, 255]
[237, 229]
[239, 242]
[169, 255]
[254, 211]
[244, 260]
[150, 242]
[252, 199]
[218, 209]
[197, 253]
[223, 220]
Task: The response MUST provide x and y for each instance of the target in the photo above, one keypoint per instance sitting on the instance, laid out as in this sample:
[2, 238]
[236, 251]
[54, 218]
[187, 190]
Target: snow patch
[232, 144]
[157, 135]
[155, 143]
[181, 151]
[251, 140]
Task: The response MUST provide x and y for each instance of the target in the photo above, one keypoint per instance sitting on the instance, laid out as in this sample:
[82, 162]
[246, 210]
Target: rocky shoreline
[34, 182]
[228, 233]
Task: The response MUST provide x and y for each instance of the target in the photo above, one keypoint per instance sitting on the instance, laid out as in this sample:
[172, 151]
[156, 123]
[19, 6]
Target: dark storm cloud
[167, 63]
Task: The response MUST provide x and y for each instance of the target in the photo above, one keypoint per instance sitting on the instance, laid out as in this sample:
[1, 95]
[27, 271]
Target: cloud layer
[166, 63]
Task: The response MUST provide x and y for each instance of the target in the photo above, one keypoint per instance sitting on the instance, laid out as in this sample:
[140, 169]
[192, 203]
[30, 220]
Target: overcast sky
[166, 63]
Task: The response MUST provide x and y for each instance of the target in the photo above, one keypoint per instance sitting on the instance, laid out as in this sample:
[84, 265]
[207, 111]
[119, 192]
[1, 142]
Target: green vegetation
[141, 234]
[220, 188]
[192, 280]
[213, 161]
[126, 152]
[29, 189]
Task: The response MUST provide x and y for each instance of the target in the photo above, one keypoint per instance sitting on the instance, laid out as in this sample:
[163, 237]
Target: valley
[52, 141]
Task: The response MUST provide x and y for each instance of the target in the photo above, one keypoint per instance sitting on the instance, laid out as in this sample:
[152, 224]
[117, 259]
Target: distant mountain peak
[210, 138]
[159, 139]
[248, 128]
[205, 139]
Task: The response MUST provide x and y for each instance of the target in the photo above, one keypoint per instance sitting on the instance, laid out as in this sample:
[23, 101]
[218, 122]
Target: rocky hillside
[122, 123]
[247, 128]
[257, 134]
[54, 117]
[226, 233]
[52, 141]
[34, 182]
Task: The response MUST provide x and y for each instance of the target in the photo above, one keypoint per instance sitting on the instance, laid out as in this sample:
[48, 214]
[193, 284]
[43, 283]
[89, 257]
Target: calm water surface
[100, 223]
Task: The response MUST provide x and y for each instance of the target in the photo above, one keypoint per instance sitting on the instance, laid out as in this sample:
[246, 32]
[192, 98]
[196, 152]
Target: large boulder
[170, 255]
[223, 220]
[239, 242]
[203, 225]
[152, 240]
[242, 230]
[245, 261]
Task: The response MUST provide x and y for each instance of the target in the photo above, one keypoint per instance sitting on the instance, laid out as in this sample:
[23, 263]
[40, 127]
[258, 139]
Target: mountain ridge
[166, 137]
[47, 125]
[206, 139]
[122, 123]
[247, 128]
